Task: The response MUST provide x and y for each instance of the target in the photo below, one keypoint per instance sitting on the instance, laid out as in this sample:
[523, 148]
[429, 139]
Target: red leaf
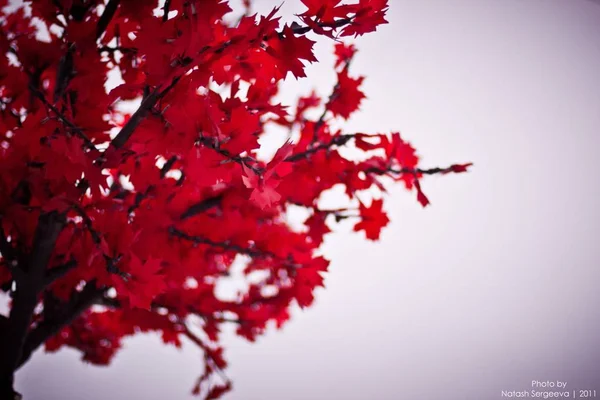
[458, 168]
[347, 97]
[289, 49]
[370, 14]
[420, 195]
[373, 218]
[343, 53]
[142, 283]
[218, 391]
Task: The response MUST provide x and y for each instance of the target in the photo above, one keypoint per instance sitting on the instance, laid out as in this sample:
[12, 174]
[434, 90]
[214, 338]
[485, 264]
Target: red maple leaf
[368, 16]
[317, 227]
[288, 49]
[347, 96]
[140, 283]
[343, 53]
[373, 219]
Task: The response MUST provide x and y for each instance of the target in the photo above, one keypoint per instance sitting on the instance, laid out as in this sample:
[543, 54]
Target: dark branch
[301, 30]
[63, 74]
[139, 115]
[108, 302]
[47, 328]
[59, 271]
[211, 142]
[202, 206]
[222, 245]
[166, 8]
[108, 49]
[336, 141]
[115, 304]
[88, 223]
[26, 298]
[251, 250]
[416, 171]
[106, 16]
[78, 131]
[136, 119]
[139, 197]
[6, 249]
[207, 352]
[168, 165]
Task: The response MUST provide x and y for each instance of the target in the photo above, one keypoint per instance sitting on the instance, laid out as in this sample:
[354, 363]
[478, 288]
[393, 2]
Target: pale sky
[493, 286]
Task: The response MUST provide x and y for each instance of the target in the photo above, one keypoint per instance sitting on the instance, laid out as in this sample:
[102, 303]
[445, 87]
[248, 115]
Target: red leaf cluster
[159, 182]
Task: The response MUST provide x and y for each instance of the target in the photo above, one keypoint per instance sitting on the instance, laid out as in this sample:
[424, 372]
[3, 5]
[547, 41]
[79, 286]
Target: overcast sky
[493, 286]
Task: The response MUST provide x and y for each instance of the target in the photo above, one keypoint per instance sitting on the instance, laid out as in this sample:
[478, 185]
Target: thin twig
[62, 118]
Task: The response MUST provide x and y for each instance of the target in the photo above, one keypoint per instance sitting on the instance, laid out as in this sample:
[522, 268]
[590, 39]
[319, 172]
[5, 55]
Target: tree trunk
[29, 285]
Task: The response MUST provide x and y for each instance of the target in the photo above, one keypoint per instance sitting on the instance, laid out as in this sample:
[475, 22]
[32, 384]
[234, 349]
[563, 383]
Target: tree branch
[212, 143]
[26, 298]
[7, 251]
[106, 16]
[166, 7]
[251, 250]
[59, 271]
[139, 115]
[167, 166]
[63, 74]
[62, 118]
[222, 245]
[202, 206]
[207, 351]
[150, 100]
[336, 141]
[301, 30]
[456, 168]
[49, 327]
[115, 304]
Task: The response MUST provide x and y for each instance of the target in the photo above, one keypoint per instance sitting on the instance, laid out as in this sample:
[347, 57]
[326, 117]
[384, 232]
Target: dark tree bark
[52, 324]
[29, 286]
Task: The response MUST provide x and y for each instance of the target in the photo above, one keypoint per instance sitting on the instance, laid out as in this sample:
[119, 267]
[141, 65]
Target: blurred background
[493, 286]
